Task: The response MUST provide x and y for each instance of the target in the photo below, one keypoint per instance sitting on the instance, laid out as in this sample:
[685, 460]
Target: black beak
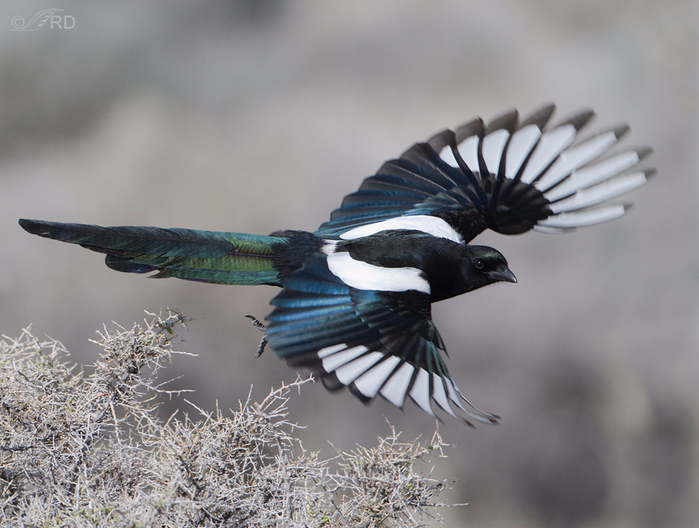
[502, 274]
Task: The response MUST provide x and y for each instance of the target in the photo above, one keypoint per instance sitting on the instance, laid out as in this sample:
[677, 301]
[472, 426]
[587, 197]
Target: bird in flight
[356, 295]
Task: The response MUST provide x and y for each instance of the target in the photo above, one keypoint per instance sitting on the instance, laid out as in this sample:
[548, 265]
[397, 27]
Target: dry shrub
[90, 450]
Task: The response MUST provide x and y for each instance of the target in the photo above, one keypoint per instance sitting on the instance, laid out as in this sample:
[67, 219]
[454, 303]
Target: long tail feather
[207, 256]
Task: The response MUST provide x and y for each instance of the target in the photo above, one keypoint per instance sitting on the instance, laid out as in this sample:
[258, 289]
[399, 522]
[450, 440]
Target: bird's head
[483, 265]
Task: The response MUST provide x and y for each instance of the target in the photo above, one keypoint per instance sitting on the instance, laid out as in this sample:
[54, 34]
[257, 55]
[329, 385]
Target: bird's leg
[261, 326]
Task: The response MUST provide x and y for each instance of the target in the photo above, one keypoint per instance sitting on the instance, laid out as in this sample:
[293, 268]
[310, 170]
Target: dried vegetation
[89, 449]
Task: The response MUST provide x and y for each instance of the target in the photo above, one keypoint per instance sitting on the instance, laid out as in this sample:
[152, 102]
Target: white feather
[420, 391]
[364, 276]
[329, 247]
[551, 144]
[338, 359]
[481, 416]
[397, 385]
[493, 145]
[575, 158]
[584, 218]
[549, 230]
[600, 193]
[447, 155]
[454, 394]
[331, 350]
[468, 149]
[439, 395]
[349, 372]
[519, 147]
[371, 381]
[431, 225]
[588, 176]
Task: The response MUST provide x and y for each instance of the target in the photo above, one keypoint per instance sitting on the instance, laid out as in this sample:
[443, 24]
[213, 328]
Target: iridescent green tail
[206, 256]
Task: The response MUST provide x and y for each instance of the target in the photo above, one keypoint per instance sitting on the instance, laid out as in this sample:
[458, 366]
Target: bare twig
[91, 450]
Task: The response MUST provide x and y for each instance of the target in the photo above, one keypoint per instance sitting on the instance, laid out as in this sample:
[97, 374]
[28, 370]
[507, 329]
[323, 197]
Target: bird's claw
[260, 326]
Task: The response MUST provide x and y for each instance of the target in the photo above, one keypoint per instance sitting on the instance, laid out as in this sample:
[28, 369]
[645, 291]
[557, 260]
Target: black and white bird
[356, 295]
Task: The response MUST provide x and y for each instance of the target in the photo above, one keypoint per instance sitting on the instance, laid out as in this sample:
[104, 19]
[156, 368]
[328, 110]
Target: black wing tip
[485, 419]
[331, 382]
[644, 152]
[650, 173]
[366, 400]
[580, 119]
[621, 130]
[475, 127]
[540, 117]
[440, 140]
[506, 121]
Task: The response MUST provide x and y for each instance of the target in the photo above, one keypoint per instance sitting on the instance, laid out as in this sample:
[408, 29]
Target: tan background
[260, 115]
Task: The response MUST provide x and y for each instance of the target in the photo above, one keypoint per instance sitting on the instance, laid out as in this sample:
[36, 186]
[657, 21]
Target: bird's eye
[478, 264]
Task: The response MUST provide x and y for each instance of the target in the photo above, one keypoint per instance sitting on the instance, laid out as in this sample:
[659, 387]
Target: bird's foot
[261, 326]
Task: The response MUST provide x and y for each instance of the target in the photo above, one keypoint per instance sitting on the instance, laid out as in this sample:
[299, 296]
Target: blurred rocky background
[257, 115]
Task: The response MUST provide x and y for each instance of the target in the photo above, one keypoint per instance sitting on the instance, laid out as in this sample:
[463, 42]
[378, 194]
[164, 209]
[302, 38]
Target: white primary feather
[493, 145]
[468, 149]
[439, 394]
[519, 147]
[600, 193]
[395, 388]
[454, 394]
[337, 359]
[584, 218]
[331, 350]
[550, 230]
[576, 157]
[593, 174]
[551, 144]
[448, 156]
[371, 381]
[349, 372]
[420, 391]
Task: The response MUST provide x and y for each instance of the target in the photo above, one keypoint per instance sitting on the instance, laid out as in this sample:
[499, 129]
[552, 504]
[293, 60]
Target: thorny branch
[90, 449]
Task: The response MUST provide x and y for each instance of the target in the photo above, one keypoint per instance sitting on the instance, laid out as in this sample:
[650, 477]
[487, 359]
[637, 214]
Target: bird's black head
[483, 265]
[463, 268]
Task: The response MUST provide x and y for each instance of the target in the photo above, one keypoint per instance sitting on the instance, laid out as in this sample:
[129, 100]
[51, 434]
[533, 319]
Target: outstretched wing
[507, 176]
[374, 342]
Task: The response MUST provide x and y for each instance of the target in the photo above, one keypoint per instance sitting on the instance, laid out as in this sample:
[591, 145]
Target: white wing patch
[351, 371]
[583, 218]
[371, 381]
[336, 359]
[431, 225]
[576, 157]
[440, 395]
[493, 146]
[371, 373]
[521, 144]
[364, 276]
[600, 193]
[593, 174]
[395, 389]
[567, 174]
[551, 144]
[468, 149]
[420, 393]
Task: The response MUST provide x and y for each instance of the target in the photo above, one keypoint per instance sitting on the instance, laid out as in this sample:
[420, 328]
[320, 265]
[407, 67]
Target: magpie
[356, 294]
